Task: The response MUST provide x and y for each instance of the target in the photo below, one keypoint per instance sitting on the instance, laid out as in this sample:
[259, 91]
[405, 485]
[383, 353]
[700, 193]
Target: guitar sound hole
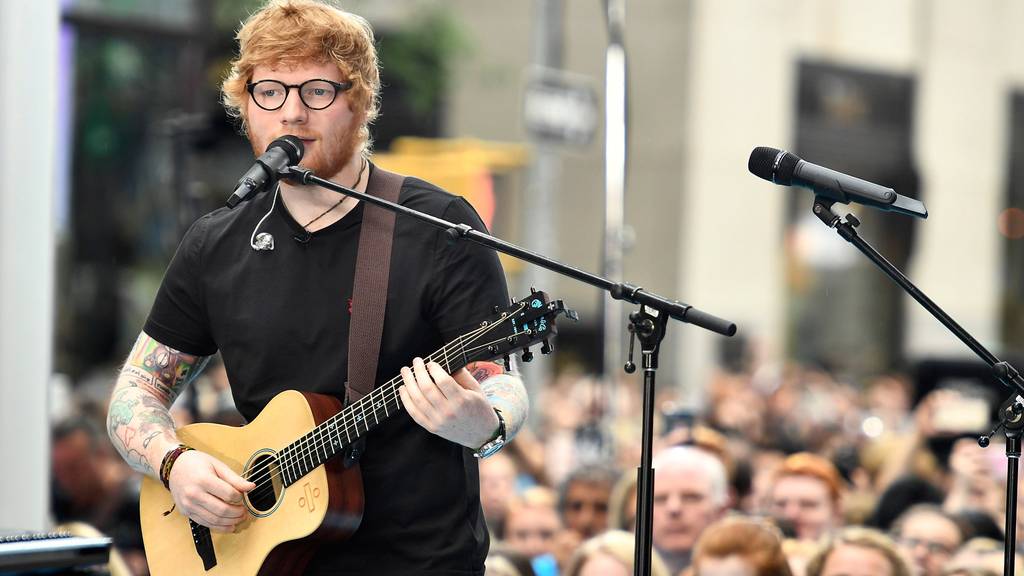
[267, 477]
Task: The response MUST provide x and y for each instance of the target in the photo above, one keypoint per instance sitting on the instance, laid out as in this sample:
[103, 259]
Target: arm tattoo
[505, 391]
[138, 421]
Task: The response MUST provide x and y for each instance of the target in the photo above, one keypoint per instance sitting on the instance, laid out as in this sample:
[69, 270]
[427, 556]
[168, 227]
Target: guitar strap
[370, 287]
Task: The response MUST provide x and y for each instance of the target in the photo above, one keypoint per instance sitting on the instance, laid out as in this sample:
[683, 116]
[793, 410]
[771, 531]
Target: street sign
[560, 108]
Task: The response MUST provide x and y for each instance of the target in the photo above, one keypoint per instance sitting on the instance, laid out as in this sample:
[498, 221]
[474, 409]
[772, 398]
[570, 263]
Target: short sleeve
[178, 317]
[468, 281]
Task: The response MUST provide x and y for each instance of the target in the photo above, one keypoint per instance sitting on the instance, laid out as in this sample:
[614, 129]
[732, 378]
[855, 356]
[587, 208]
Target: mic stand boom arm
[846, 227]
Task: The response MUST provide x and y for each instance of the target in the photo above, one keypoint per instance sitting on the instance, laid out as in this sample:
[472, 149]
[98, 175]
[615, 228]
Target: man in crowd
[806, 494]
[583, 499]
[279, 313]
[690, 492]
[928, 536]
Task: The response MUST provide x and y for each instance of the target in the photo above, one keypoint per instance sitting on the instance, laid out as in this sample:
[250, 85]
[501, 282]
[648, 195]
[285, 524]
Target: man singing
[280, 317]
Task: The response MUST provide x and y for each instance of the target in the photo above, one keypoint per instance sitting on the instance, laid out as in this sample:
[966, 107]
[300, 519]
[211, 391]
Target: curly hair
[295, 32]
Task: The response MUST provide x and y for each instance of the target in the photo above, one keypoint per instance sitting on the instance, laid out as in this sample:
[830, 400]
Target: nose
[294, 111]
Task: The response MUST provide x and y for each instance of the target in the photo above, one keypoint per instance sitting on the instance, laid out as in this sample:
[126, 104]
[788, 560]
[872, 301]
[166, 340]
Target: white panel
[28, 54]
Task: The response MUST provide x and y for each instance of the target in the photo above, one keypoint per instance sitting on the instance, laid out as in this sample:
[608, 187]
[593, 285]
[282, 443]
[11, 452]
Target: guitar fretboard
[333, 435]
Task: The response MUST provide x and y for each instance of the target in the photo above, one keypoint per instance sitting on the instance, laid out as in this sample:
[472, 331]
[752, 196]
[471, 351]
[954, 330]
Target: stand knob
[630, 367]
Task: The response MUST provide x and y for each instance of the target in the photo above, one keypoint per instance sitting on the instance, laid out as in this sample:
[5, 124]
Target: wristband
[168, 463]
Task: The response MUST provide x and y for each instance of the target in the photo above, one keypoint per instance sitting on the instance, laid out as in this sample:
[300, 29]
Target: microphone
[284, 152]
[788, 169]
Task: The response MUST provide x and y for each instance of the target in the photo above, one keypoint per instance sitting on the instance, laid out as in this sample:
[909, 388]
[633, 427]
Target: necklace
[338, 203]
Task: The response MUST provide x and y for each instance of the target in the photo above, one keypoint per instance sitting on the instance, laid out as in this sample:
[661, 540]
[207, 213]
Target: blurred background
[114, 141]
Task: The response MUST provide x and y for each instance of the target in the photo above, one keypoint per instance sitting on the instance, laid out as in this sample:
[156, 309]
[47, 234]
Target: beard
[329, 154]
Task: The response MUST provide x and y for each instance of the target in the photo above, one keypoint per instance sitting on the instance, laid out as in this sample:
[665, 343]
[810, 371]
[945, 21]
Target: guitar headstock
[516, 328]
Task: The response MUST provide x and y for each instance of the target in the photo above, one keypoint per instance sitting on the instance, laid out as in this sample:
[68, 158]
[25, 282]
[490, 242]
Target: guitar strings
[348, 417]
[291, 461]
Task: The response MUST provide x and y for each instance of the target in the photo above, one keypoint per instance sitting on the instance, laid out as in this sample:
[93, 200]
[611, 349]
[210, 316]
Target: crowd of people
[782, 472]
[797, 473]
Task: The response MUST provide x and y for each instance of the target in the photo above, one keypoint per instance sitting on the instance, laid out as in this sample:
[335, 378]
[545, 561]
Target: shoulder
[223, 223]
[425, 197]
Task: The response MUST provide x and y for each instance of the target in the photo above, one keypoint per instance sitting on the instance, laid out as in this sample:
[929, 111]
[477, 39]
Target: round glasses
[316, 94]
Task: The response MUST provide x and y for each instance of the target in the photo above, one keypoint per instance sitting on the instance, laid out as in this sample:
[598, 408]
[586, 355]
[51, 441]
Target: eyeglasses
[316, 94]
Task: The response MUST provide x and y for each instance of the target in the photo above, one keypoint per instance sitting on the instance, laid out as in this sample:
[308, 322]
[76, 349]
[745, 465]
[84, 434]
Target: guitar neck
[336, 433]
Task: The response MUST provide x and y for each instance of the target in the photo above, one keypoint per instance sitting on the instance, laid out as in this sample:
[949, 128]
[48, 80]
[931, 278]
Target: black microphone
[284, 152]
[788, 169]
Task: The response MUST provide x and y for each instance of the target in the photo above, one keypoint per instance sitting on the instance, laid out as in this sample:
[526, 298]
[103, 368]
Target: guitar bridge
[204, 544]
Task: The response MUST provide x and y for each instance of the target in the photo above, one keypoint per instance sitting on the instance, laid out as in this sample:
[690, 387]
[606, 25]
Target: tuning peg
[533, 290]
[527, 355]
[508, 362]
[545, 347]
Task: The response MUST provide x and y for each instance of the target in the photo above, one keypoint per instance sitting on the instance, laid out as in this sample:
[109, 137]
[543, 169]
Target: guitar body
[284, 525]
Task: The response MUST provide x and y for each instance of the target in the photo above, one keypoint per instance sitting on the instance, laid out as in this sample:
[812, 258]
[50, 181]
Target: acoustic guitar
[304, 494]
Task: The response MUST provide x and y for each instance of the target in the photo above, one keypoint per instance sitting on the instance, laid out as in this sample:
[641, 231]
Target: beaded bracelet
[168, 462]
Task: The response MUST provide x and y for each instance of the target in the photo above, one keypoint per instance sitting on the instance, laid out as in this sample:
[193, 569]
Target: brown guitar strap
[370, 287]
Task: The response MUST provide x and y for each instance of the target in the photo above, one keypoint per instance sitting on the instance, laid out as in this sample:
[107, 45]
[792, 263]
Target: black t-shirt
[280, 319]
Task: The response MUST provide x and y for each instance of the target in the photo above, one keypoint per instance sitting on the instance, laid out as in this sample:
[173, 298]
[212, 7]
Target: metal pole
[543, 176]
[615, 181]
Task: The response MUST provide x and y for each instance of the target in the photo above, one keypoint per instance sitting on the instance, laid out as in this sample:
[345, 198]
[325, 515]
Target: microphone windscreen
[292, 146]
[773, 165]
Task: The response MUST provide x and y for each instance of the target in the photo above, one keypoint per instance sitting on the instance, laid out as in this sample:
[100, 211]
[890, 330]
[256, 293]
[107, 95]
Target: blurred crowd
[782, 471]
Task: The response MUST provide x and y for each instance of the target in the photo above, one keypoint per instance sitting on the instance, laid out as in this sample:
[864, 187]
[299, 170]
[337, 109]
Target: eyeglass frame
[339, 87]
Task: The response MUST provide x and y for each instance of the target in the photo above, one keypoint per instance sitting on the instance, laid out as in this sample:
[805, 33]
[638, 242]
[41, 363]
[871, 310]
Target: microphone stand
[649, 325]
[1011, 412]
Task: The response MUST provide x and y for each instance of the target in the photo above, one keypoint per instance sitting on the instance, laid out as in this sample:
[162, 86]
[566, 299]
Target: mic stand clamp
[1011, 420]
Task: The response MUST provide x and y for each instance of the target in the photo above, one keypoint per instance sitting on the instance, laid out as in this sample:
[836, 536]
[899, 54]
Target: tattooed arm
[140, 426]
[138, 421]
[505, 391]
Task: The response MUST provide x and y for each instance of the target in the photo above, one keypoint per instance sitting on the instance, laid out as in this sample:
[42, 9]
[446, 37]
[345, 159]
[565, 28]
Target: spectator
[740, 545]
[497, 488]
[610, 554]
[807, 492]
[583, 500]
[533, 529]
[901, 495]
[979, 556]
[979, 524]
[689, 494]
[857, 551]
[92, 486]
[928, 537]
